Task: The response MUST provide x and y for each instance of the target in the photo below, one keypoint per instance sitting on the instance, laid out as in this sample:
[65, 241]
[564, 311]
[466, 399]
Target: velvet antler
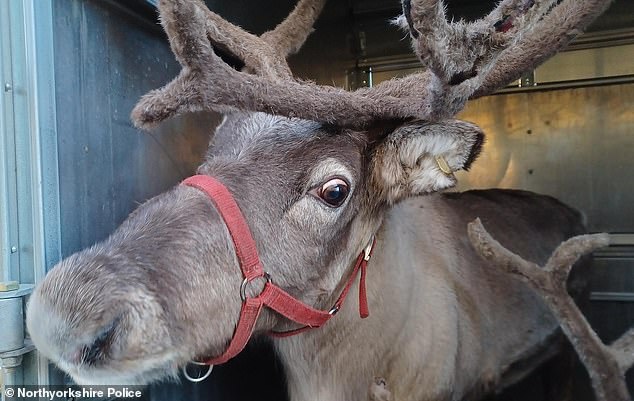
[606, 365]
[484, 55]
[462, 61]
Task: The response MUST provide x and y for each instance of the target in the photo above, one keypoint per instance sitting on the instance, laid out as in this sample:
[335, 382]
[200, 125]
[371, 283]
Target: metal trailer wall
[574, 144]
[569, 143]
[104, 62]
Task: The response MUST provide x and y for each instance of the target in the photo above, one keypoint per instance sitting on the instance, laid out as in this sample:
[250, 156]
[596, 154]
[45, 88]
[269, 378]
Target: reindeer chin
[136, 373]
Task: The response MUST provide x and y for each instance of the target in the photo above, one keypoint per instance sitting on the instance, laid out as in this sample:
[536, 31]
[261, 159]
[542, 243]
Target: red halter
[272, 295]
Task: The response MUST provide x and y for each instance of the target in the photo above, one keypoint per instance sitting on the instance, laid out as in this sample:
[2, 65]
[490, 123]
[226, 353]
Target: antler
[289, 36]
[606, 365]
[463, 60]
[487, 54]
[206, 82]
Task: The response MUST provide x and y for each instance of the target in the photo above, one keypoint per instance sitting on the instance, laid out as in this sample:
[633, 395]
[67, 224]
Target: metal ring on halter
[243, 286]
[197, 379]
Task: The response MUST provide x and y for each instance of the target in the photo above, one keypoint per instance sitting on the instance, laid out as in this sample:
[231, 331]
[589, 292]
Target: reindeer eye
[334, 192]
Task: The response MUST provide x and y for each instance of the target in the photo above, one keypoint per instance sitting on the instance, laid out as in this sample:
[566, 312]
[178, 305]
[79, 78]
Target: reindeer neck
[318, 363]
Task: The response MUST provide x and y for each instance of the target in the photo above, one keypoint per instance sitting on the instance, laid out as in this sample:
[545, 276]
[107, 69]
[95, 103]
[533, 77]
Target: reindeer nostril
[92, 353]
[98, 350]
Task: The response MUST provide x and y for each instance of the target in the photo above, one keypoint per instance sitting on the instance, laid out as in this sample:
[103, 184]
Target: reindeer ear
[421, 157]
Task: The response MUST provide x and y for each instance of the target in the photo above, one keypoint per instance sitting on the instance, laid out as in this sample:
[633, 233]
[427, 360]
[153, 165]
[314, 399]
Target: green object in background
[9, 286]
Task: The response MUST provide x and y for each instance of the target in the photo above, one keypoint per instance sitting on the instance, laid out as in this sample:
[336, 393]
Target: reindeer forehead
[239, 131]
[267, 140]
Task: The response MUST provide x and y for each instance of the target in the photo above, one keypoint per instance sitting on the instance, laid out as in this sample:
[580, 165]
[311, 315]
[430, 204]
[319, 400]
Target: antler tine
[554, 31]
[289, 36]
[184, 23]
[264, 55]
[256, 54]
[455, 51]
[190, 27]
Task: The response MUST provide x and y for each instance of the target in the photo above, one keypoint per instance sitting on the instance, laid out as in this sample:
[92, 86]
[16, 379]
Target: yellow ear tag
[443, 165]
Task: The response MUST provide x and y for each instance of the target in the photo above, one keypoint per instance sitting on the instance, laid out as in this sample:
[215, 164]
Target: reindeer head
[312, 169]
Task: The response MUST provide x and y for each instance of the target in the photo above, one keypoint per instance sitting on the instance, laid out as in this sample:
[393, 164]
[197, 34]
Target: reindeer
[304, 187]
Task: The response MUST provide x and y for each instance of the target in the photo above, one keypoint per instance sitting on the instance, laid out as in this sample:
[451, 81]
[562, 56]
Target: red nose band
[271, 296]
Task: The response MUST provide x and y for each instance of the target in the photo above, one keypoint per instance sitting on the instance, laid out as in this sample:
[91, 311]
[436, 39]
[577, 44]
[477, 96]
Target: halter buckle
[243, 286]
[367, 251]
